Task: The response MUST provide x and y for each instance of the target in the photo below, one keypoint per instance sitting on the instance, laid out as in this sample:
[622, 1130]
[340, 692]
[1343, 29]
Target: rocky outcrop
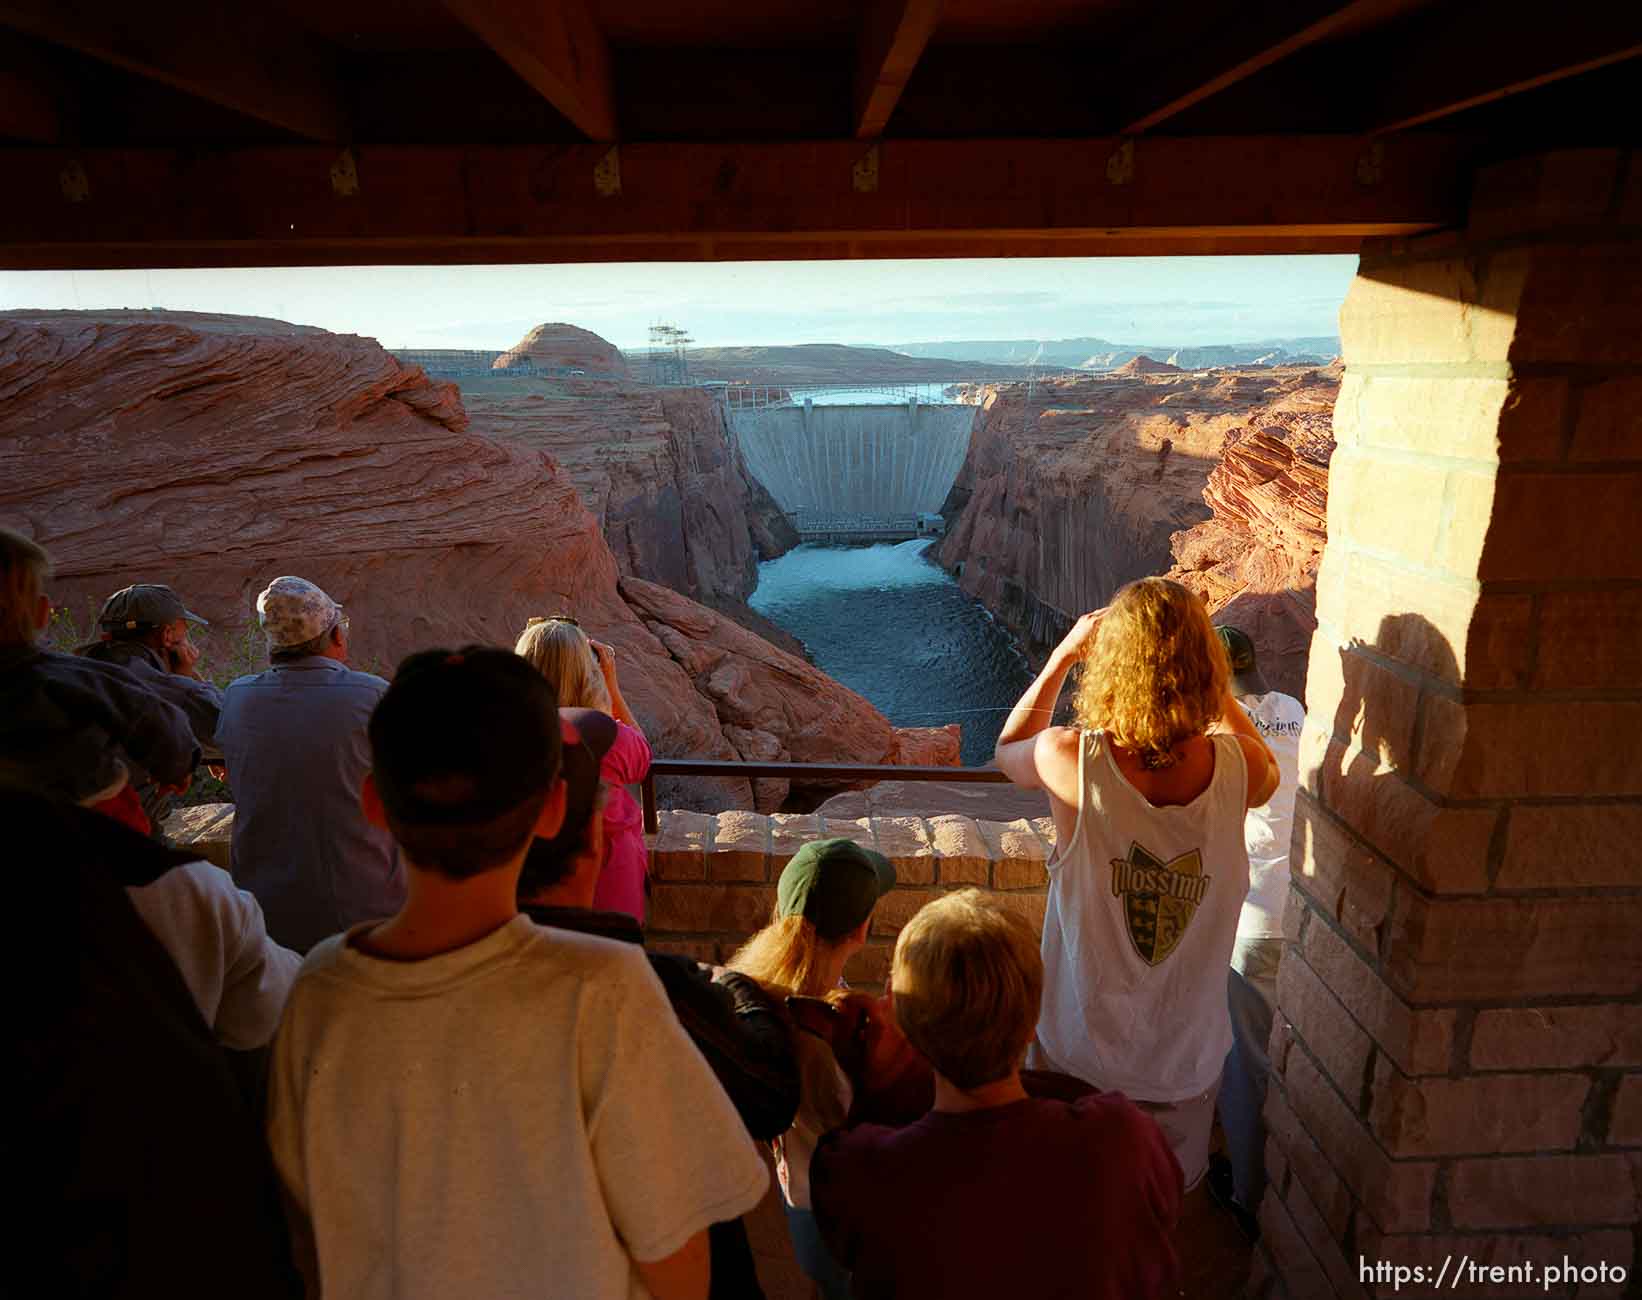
[1076, 487]
[1255, 559]
[929, 746]
[1144, 365]
[214, 453]
[557, 346]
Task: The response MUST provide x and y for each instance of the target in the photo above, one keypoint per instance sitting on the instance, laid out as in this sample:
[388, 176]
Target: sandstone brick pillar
[1458, 1049]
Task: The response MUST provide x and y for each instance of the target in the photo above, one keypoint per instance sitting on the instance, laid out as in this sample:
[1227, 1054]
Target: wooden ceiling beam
[28, 103]
[893, 36]
[1176, 74]
[1475, 54]
[557, 49]
[228, 54]
[692, 202]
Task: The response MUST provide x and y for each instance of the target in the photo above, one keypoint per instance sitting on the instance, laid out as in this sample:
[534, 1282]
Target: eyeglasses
[535, 619]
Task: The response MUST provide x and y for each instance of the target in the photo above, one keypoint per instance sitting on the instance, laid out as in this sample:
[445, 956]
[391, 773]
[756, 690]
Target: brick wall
[1458, 1049]
[714, 875]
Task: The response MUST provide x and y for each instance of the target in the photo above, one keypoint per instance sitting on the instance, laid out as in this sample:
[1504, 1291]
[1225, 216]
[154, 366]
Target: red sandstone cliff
[215, 452]
[1070, 493]
[1255, 559]
[559, 346]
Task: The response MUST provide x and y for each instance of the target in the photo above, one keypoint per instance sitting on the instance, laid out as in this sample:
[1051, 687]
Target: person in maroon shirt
[994, 1192]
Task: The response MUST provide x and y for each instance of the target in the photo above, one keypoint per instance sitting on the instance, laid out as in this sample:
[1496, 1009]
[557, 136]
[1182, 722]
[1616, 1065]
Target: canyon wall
[1254, 560]
[215, 452]
[657, 468]
[1079, 485]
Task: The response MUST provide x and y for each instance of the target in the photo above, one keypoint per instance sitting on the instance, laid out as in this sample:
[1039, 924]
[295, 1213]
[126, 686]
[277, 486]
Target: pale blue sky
[1179, 301]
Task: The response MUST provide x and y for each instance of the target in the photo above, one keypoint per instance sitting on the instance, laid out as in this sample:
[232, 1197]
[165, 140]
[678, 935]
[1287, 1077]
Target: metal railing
[736, 768]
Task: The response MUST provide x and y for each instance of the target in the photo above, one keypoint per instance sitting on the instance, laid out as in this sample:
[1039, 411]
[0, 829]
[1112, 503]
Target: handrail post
[652, 822]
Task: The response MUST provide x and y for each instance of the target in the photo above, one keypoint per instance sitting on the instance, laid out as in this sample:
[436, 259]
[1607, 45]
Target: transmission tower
[669, 354]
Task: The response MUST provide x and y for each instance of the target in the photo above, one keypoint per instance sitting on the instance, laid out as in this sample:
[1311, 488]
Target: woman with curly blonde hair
[1149, 791]
[582, 672]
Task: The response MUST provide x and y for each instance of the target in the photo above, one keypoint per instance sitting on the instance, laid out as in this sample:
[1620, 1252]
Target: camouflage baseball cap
[145, 604]
[293, 610]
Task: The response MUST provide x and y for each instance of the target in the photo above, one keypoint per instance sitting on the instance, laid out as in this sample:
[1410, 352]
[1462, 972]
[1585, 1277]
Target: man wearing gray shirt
[294, 741]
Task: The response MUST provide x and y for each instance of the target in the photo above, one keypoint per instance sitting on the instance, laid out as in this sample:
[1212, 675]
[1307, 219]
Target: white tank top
[1142, 915]
[1279, 718]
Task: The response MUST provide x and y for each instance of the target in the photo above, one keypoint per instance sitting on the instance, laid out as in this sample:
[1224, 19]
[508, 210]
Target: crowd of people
[413, 1044]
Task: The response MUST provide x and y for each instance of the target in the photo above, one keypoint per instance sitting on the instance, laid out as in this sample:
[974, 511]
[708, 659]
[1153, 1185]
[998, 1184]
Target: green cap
[835, 884]
[1239, 649]
[1246, 677]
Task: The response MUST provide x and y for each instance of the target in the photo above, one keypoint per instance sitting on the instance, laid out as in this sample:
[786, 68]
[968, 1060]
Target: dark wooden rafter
[1183, 69]
[893, 36]
[557, 49]
[1464, 56]
[28, 102]
[229, 54]
[694, 202]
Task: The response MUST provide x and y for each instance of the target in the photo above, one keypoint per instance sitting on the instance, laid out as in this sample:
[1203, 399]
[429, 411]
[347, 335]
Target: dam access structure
[855, 471]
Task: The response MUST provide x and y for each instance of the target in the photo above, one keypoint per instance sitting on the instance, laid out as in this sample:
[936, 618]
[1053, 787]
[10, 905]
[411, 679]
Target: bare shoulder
[1061, 744]
[1058, 751]
[1262, 771]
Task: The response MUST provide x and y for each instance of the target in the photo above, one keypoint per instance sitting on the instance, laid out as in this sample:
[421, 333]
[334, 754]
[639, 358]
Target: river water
[895, 627]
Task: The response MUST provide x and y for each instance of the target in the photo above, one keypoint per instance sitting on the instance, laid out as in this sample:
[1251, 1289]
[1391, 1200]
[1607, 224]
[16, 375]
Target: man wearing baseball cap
[1238, 1180]
[70, 726]
[145, 630]
[294, 742]
[462, 1102]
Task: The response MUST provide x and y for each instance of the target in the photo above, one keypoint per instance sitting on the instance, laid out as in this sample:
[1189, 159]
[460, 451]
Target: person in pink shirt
[582, 672]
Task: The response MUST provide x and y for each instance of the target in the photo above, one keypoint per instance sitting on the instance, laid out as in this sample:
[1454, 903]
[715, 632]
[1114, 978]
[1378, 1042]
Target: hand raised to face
[1082, 635]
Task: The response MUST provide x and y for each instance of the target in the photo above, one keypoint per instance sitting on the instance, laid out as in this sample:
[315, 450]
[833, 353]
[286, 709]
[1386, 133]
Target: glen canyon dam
[868, 461]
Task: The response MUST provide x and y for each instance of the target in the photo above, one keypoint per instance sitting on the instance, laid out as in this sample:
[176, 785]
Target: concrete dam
[856, 461]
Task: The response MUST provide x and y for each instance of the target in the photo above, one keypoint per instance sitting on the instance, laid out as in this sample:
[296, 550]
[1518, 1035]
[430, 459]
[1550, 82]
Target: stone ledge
[949, 850]
[206, 829]
[713, 873]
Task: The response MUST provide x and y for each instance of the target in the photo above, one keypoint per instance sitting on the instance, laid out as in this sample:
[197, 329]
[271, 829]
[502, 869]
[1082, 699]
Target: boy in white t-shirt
[464, 1103]
[1258, 952]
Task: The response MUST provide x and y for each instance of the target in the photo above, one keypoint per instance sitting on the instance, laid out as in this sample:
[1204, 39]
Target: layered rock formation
[1255, 559]
[216, 452]
[1075, 489]
[557, 346]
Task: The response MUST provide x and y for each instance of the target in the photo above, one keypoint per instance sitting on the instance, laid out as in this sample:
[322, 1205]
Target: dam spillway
[863, 461]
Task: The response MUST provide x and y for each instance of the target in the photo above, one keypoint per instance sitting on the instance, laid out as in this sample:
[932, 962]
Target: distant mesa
[558, 346]
[1144, 365]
